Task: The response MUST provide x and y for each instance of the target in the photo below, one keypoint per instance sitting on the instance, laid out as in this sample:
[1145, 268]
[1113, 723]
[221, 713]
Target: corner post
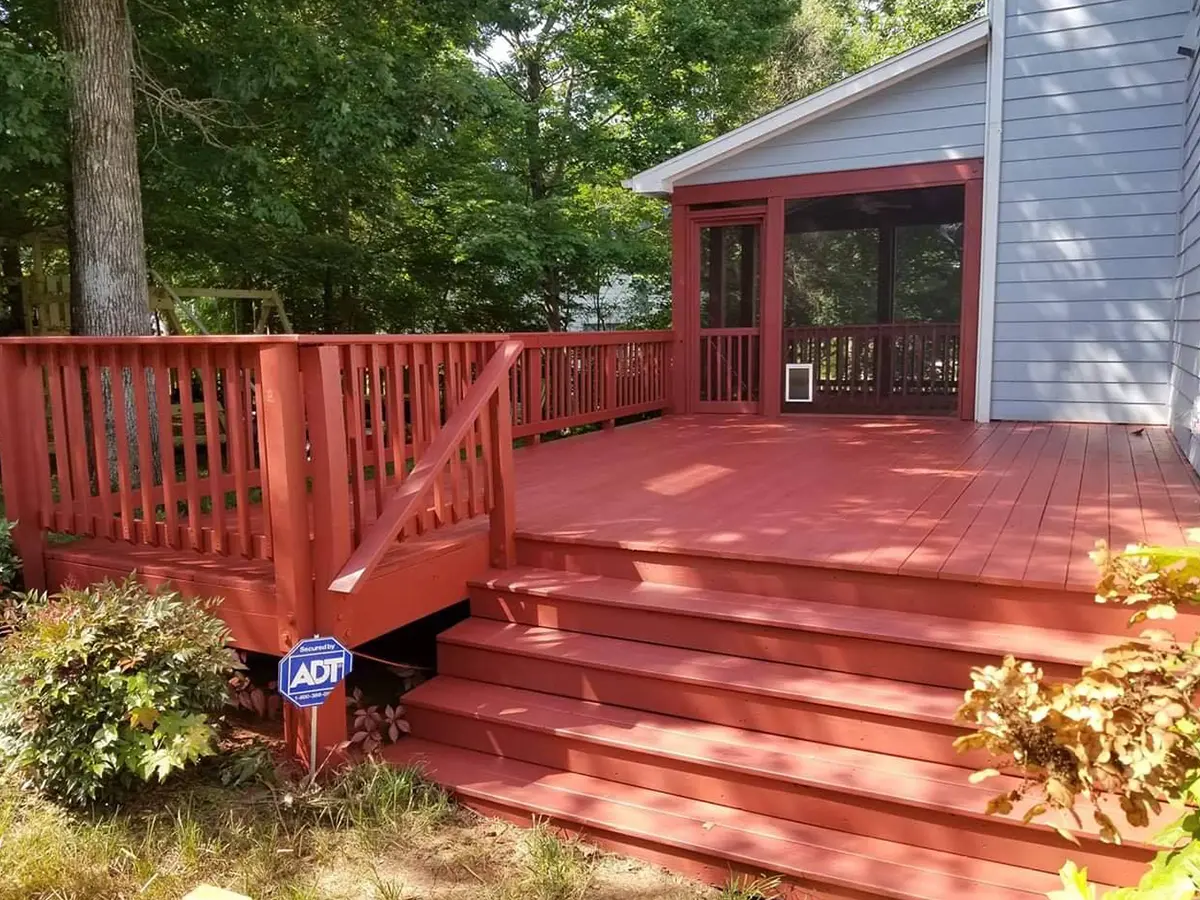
[968, 350]
[502, 533]
[321, 374]
[771, 323]
[680, 314]
[20, 410]
[286, 484]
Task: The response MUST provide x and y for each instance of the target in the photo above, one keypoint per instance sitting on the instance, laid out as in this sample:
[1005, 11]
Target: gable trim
[661, 178]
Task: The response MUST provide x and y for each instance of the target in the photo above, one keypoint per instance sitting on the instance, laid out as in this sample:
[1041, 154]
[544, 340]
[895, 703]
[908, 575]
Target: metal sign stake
[312, 746]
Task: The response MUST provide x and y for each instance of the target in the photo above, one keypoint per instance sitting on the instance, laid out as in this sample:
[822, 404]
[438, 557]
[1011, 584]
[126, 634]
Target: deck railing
[567, 380]
[471, 451]
[898, 367]
[257, 446]
[148, 442]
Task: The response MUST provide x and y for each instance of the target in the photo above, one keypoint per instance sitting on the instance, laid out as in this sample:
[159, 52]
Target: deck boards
[1015, 503]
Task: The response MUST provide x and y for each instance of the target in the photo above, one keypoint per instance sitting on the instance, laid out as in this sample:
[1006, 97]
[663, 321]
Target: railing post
[21, 409]
[286, 483]
[533, 389]
[321, 374]
[503, 516]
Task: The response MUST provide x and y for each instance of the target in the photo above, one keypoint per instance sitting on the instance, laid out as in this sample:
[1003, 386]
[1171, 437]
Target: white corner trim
[660, 178]
[992, 145]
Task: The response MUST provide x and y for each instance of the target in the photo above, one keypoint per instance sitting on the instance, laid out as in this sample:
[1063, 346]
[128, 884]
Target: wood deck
[1003, 503]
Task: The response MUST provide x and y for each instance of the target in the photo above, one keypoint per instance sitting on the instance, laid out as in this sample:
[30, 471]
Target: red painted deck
[1004, 503]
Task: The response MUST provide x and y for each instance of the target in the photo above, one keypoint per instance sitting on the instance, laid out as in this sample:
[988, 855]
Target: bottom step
[709, 841]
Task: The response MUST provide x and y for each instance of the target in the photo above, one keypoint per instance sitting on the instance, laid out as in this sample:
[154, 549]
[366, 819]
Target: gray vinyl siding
[937, 115]
[1089, 210]
[1185, 346]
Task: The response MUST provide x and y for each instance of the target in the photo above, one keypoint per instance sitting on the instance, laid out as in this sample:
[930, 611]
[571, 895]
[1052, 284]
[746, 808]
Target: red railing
[474, 447]
[730, 366]
[396, 392]
[900, 367]
[148, 442]
[567, 380]
[257, 446]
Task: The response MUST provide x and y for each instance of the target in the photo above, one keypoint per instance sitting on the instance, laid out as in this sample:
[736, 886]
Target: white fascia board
[661, 178]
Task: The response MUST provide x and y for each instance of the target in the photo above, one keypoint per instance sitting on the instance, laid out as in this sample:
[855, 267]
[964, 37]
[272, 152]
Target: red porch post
[771, 322]
[968, 352]
[681, 377]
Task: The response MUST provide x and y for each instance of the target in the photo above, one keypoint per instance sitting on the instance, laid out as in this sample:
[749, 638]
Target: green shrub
[10, 563]
[110, 686]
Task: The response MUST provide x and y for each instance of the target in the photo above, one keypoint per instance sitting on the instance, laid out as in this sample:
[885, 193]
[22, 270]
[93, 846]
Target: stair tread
[758, 842]
[1023, 641]
[800, 684]
[792, 761]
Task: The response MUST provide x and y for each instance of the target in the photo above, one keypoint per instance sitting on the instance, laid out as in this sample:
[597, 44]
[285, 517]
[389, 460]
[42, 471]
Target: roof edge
[660, 179]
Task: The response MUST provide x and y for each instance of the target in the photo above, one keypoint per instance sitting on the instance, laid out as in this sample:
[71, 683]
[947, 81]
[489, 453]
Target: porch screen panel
[830, 311]
[730, 290]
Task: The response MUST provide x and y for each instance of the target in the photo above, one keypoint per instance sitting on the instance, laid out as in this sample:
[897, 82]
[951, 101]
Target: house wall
[934, 116]
[1089, 199]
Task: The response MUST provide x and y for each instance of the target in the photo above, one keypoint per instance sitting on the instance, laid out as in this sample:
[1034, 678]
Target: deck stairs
[802, 731]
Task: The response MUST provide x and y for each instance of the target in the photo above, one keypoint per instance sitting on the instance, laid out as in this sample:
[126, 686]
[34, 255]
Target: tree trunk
[108, 254]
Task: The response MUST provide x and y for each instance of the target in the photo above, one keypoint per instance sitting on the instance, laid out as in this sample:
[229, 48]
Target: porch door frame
[697, 220]
[766, 201]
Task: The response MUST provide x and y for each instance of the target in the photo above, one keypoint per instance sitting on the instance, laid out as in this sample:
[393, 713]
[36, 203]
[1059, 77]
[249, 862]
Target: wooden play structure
[46, 300]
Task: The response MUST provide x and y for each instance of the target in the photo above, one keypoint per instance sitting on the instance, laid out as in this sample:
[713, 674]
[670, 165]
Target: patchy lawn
[373, 832]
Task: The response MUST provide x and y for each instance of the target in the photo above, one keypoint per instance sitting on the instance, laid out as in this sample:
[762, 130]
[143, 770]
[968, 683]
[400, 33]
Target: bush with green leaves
[107, 687]
[10, 563]
[1128, 728]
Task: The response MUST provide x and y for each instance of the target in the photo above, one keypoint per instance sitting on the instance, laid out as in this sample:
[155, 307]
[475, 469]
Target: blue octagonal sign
[312, 669]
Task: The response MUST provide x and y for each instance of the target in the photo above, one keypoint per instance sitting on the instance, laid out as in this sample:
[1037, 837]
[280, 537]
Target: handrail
[403, 504]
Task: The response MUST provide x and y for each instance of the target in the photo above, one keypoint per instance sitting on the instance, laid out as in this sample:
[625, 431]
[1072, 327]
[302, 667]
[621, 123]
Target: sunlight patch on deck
[688, 479]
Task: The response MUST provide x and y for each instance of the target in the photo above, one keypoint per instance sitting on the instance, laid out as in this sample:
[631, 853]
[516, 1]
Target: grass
[741, 887]
[373, 832]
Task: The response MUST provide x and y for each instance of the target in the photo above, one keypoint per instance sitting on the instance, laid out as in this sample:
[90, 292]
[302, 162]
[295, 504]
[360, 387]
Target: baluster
[212, 433]
[235, 436]
[120, 407]
[64, 511]
[166, 445]
[104, 476]
[191, 468]
[141, 402]
[77, 449]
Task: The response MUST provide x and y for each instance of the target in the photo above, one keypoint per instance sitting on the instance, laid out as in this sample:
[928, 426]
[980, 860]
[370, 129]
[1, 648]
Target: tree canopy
[426, 164]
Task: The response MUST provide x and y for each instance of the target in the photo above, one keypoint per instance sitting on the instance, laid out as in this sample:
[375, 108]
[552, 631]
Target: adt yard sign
[312, 669]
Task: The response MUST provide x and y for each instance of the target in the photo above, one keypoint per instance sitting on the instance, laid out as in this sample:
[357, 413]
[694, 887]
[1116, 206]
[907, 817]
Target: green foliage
[553, 867]
[107, 687]
[10, 563]
[828, 40]
[444, 165]
[1127, 727]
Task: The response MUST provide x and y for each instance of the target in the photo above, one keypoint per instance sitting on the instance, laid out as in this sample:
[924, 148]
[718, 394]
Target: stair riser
[702, 867]
[942, 667]
[963, 835]
[706, 703]
[1045, 608]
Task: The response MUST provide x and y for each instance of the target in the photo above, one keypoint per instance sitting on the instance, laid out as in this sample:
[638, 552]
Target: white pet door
[798, 383]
